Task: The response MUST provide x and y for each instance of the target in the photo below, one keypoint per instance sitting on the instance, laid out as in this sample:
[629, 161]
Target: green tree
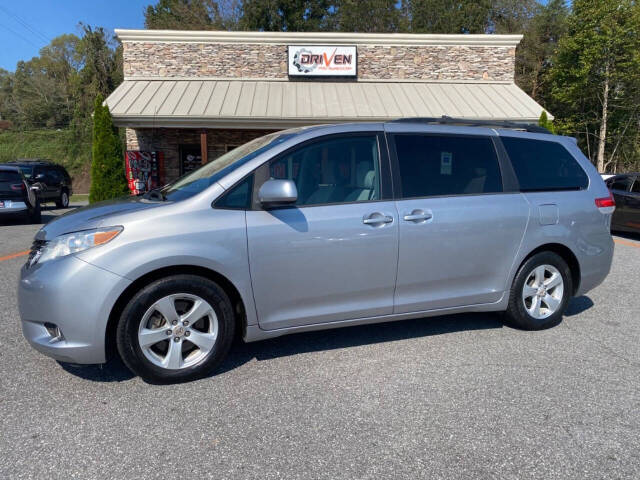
[533, 56]
[99, 72]
[286, 15]
[107, 164]
[375, 16]
[596, 76]
[55, 88]
[511, 16]
[193, 15]
[7, 110]
[447, 16]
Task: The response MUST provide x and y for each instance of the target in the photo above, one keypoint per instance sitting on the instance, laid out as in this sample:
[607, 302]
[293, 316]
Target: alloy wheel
[178, 331]
[543, 291]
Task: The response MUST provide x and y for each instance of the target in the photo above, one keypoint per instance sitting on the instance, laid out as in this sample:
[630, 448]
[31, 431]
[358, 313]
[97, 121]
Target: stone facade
[383, 62]
[170, 140]
[424, 61]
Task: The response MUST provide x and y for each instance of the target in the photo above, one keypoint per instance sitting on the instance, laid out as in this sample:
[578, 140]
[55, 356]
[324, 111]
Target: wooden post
[203, 147]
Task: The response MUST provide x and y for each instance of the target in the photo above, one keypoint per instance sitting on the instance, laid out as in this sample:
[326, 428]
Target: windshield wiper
[155, 194]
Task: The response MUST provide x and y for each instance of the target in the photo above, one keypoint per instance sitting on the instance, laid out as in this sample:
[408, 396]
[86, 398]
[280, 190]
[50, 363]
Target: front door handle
[417, 216]
[377, 218]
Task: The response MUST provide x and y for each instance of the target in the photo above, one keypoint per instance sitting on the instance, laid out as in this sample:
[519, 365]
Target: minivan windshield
[196, 181]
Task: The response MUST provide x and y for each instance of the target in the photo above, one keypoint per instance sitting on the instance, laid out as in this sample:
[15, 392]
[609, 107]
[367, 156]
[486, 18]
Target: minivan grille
[36, 250]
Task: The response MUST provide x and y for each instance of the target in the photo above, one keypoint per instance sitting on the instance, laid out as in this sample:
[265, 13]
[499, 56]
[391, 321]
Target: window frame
[507, 174]
[542, 190]
[215, 204]
[261, 172]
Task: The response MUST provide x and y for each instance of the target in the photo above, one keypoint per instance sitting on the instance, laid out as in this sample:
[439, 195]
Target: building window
[190, 158]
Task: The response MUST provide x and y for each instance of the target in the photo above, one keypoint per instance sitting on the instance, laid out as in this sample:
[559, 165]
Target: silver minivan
[321, 227]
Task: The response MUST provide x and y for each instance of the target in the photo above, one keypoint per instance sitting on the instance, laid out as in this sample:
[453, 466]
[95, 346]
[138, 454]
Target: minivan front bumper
[64, 307]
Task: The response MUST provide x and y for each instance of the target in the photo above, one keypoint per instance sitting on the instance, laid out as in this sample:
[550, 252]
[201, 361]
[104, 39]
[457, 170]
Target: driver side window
[336, 170]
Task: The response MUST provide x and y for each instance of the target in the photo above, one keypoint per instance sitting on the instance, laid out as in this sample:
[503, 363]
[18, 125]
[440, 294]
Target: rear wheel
[63, 201]
[176, 329]
[540, 292]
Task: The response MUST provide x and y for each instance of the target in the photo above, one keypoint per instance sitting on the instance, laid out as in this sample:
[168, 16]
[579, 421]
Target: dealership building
[189, 96]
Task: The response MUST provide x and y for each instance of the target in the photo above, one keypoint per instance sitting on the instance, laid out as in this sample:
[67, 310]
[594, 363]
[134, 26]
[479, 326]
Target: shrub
[545, 122]
[107, 165]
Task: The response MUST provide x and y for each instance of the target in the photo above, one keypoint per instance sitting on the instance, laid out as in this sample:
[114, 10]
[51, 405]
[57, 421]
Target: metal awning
[281, 104]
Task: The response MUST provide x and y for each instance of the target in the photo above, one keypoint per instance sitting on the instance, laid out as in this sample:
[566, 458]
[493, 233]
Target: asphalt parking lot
[446, 397]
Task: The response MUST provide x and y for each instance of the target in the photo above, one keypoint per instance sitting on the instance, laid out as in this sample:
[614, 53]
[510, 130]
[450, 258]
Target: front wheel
[540, 292]
[176, 329]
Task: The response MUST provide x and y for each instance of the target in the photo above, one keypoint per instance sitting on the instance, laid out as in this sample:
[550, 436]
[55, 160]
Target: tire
[550, 297]
[175, 358]
[63, 201]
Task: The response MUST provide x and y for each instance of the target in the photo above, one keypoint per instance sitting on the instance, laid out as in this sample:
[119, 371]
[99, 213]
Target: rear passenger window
[447, 165]
[542, 165]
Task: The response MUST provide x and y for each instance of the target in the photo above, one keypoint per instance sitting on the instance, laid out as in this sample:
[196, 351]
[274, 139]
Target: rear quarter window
[620, 183]
[542, 165]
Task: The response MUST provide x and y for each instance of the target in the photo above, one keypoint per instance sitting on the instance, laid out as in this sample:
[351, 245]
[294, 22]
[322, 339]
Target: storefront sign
[322, 61]
[143, 170]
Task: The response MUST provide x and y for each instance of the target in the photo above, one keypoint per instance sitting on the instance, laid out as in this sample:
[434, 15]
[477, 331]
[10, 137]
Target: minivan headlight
[76, 242]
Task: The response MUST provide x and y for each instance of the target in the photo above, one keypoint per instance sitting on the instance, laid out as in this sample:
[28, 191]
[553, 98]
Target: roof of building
[325, 38]
[251, 103]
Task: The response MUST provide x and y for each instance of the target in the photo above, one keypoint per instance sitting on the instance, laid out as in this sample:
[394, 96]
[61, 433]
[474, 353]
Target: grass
[60, 146]
[80, 197]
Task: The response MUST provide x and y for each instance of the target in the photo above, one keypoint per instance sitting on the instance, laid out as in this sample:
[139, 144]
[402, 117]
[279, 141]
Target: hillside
[59, 146]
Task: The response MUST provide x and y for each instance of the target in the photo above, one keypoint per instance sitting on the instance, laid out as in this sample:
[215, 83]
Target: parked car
[53, 181]
[626, 191]
[316, 228]
[17, 198]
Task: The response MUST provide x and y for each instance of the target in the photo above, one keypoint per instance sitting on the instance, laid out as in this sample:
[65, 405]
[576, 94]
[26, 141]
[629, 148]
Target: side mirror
[35, 188]
[274, 193]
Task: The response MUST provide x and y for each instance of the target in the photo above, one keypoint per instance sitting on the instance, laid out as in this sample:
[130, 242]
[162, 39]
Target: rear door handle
[417, 216]
[377, 218]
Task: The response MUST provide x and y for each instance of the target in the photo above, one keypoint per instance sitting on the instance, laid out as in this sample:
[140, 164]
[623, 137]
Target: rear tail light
[606, 204]
[18, 187]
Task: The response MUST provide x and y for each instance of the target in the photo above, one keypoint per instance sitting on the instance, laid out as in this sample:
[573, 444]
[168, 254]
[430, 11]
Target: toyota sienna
[321, 227]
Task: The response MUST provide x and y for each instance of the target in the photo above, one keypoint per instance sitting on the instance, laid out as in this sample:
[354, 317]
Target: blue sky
[28, 25]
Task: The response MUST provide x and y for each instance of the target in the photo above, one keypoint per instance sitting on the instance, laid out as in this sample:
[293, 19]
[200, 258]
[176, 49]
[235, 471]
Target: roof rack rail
[468, 122]
[42, 161]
